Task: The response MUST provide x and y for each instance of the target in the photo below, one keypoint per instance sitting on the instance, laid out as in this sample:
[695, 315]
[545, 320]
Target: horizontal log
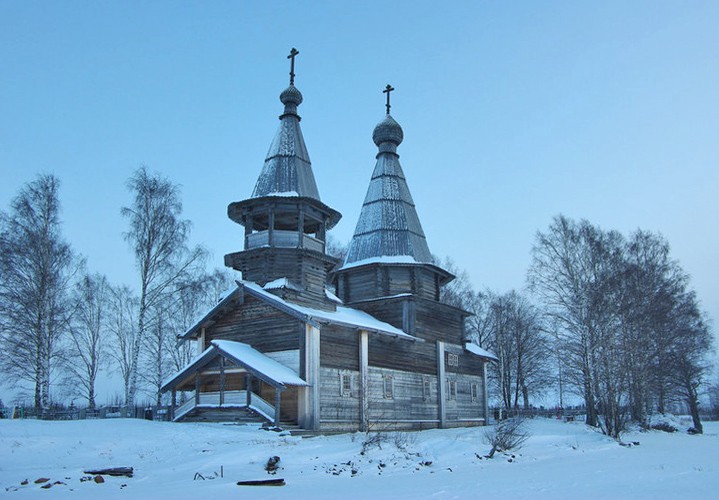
[262, 482]
[112, 471]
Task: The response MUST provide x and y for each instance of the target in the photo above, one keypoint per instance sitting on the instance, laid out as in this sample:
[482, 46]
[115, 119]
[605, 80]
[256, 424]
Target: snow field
[560, 460]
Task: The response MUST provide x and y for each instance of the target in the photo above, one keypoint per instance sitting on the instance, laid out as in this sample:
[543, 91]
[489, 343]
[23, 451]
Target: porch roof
[255, 362]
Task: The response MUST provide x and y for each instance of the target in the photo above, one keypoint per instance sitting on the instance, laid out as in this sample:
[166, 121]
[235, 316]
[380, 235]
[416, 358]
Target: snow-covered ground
[560, 460]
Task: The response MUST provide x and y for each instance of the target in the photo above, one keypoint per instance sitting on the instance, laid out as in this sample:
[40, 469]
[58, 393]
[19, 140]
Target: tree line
[607, 318]
[61, 323]
[604, 317]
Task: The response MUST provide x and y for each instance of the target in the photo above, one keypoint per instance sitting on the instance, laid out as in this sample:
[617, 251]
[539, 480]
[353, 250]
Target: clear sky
[513, 112]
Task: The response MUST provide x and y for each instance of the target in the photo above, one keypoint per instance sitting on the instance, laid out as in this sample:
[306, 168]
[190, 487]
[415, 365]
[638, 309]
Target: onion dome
[291, 97]
[388, 130]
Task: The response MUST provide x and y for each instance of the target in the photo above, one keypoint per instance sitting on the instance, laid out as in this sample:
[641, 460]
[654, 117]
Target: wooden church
[308, 341]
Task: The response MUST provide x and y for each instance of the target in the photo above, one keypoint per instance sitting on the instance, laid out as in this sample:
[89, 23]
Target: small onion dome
[388, 130]
[291, 96]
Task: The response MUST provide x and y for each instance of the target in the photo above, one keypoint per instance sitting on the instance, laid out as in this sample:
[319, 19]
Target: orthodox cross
[389, 88]
[292, 55]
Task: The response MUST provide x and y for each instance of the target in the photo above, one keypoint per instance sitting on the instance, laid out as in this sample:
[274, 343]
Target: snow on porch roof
[244, 355]
[344, 316]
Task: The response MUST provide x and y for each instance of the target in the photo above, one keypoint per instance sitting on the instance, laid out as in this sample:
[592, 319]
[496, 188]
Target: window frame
[388, 386]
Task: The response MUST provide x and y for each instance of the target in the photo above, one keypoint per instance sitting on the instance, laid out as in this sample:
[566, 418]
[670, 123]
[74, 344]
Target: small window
[452, 359]
[346, 384]
[473, 391]
[426, 389]
[388, 383]
[451, 390]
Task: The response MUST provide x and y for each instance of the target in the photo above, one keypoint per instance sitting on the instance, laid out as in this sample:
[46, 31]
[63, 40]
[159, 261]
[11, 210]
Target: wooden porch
[232, 381]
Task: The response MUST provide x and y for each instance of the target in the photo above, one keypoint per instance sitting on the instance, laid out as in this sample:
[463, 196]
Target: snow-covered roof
[382, 259]
[244, 355]
[345, 316]
[247, 355]
[475, 349]
[280, 283]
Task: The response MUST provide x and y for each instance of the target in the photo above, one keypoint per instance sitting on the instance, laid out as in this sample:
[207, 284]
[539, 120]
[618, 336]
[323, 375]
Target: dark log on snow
[262, 482]
[112, 471]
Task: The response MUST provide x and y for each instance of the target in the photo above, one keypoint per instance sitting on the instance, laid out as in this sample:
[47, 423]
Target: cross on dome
[293, 54]
[389, 88]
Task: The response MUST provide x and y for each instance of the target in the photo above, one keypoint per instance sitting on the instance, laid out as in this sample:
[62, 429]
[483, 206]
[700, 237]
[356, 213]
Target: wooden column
[248, 389]
[322, 232]
[248, 230]
[485, 397]
[197, 388]
[301, 229]
[222, 381]
[278, 397]
[441, 384]
[173, 404]
[201, 342]
[310, 402]
[364, 378]
[271, 226]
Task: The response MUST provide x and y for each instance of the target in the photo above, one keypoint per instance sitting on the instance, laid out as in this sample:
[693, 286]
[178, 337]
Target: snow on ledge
[280, 283]
[475, 349]
[384, 259]
[285, 194]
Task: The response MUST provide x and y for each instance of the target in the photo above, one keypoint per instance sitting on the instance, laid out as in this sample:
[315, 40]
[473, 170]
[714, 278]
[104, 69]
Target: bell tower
[285, 221]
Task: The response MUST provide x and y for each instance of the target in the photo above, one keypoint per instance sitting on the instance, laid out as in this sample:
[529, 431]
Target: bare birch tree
[122, 324]
[159, 239]
[36, 271]
[87, 349]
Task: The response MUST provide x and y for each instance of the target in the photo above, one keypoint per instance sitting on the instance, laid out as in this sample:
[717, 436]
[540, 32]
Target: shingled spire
[287, 170]
[388, 253]
[388, 225]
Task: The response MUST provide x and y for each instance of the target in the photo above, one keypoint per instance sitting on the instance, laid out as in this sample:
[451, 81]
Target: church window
[452, 359]
[451, 390]
[426, 389]
[473, 391]
[345, 384]
[388, 386]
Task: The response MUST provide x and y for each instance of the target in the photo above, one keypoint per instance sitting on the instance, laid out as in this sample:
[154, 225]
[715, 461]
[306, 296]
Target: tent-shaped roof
[253, 361]
[388, 228]
[287, 170]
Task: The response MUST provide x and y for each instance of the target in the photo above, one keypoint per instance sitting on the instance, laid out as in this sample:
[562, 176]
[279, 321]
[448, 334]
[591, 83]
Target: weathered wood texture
[423, 318]
[398, 354]
[333, 405]
[460, 405]
[468, 363]
[408, 402]
[339, 347]
[258, 324]
[383, 280]
[305, 268]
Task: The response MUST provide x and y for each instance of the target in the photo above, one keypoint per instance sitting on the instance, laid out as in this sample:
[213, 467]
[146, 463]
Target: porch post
[311, 413]
[278, 393]
[248, 388]
[441, 384]
[197, 388]
[173, 404]
[222, 381]
[364, 379]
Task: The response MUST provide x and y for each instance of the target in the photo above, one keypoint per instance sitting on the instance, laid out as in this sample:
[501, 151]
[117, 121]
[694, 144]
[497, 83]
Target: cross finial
[389, 88]
[292, 55]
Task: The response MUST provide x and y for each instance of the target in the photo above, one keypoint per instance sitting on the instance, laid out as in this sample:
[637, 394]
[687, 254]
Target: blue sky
[513, 112]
